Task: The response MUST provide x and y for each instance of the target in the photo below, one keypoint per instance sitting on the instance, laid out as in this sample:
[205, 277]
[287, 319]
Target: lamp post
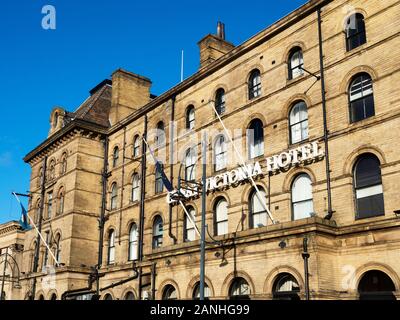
[305, 256]
[203, 211]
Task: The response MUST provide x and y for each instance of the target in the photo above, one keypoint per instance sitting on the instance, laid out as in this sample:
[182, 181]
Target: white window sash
[369, 191]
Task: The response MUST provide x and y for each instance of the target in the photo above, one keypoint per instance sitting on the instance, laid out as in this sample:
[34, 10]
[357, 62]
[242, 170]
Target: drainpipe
[37, 249]
[171, 166]
[326, 131]
[104, 178]
[306, 256]
[142, 199]
[122, 187]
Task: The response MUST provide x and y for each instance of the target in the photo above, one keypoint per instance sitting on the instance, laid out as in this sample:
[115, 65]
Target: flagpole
[39, 233]
[244, 167]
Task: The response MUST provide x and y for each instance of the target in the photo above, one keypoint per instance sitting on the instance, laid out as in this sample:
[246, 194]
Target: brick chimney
[130, 92]
[212, 47]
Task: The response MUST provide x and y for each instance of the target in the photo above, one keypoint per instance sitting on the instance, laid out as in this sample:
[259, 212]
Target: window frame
[355, 188]
[188, 226]
[156, 243]
[358, 34]
[299, 123]
[256, 144]
[111, 247]
[136, 146]
[115, 157]
[223, 154]
[219, 222]
[300, 66]
[190, 164]
[253, 194]
[159, 184]
[133, 243]
[292, 202]
[220, 101]
[254, 84]
[135, 188]
[114, 197]
[363, 97]
[190, 121]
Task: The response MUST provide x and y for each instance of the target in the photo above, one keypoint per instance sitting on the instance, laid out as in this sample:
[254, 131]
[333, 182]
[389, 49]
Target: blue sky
[43, 68]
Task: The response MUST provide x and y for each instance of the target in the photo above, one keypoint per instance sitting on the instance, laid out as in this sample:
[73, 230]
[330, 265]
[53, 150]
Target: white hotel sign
[302, 154]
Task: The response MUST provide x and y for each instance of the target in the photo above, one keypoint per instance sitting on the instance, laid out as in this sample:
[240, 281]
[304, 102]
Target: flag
[160, 170]
[23, 221]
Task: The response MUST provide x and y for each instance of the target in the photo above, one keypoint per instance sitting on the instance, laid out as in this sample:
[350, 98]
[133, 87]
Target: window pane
[302, 189]
[370, 206]
[368, 172]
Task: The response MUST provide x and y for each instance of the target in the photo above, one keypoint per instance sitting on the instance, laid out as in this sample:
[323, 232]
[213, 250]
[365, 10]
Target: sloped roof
[94, 109]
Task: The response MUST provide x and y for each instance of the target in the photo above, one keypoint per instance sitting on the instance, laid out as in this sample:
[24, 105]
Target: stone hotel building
[313, 107]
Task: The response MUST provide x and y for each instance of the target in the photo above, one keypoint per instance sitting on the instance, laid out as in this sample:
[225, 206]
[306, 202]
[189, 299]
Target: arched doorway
[376, 285]
[286, 287]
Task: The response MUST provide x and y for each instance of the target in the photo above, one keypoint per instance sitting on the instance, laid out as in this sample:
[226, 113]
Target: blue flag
[165, 180]
[24, 219]
[160, 170]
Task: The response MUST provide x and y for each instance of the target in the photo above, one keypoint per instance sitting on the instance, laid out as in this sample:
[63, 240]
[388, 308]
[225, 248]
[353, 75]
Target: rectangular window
[370, 202]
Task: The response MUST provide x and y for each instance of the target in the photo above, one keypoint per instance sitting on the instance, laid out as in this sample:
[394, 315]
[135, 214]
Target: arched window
[298, 122]
[49, 204]
[129, 296]
[53, 297]
[286, 287]
[52, 170]
[160, 134]
[239, 289]
[368, 187]
[254, 84]
[361, 97]
[169, 293]
[255, 138]
[159, 185]
[114, 196]
[220, 153]
[220, 101]
[37, 211]
[136, 146]
[190, 118]
[190, 234]
[33, 256]
[39, 177]
[135, 187]
[111, 247]
[61, 197]
[221, 217]
[376, 285]
[302, 198]
[63, 168]
[157, 232]
[355, 31]
[108, 297]
[190, 164]
[258, 215]
[296, 63]
[41, 297]
[115, 156]
[196, 292]
[57, 247]
[133, 242]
